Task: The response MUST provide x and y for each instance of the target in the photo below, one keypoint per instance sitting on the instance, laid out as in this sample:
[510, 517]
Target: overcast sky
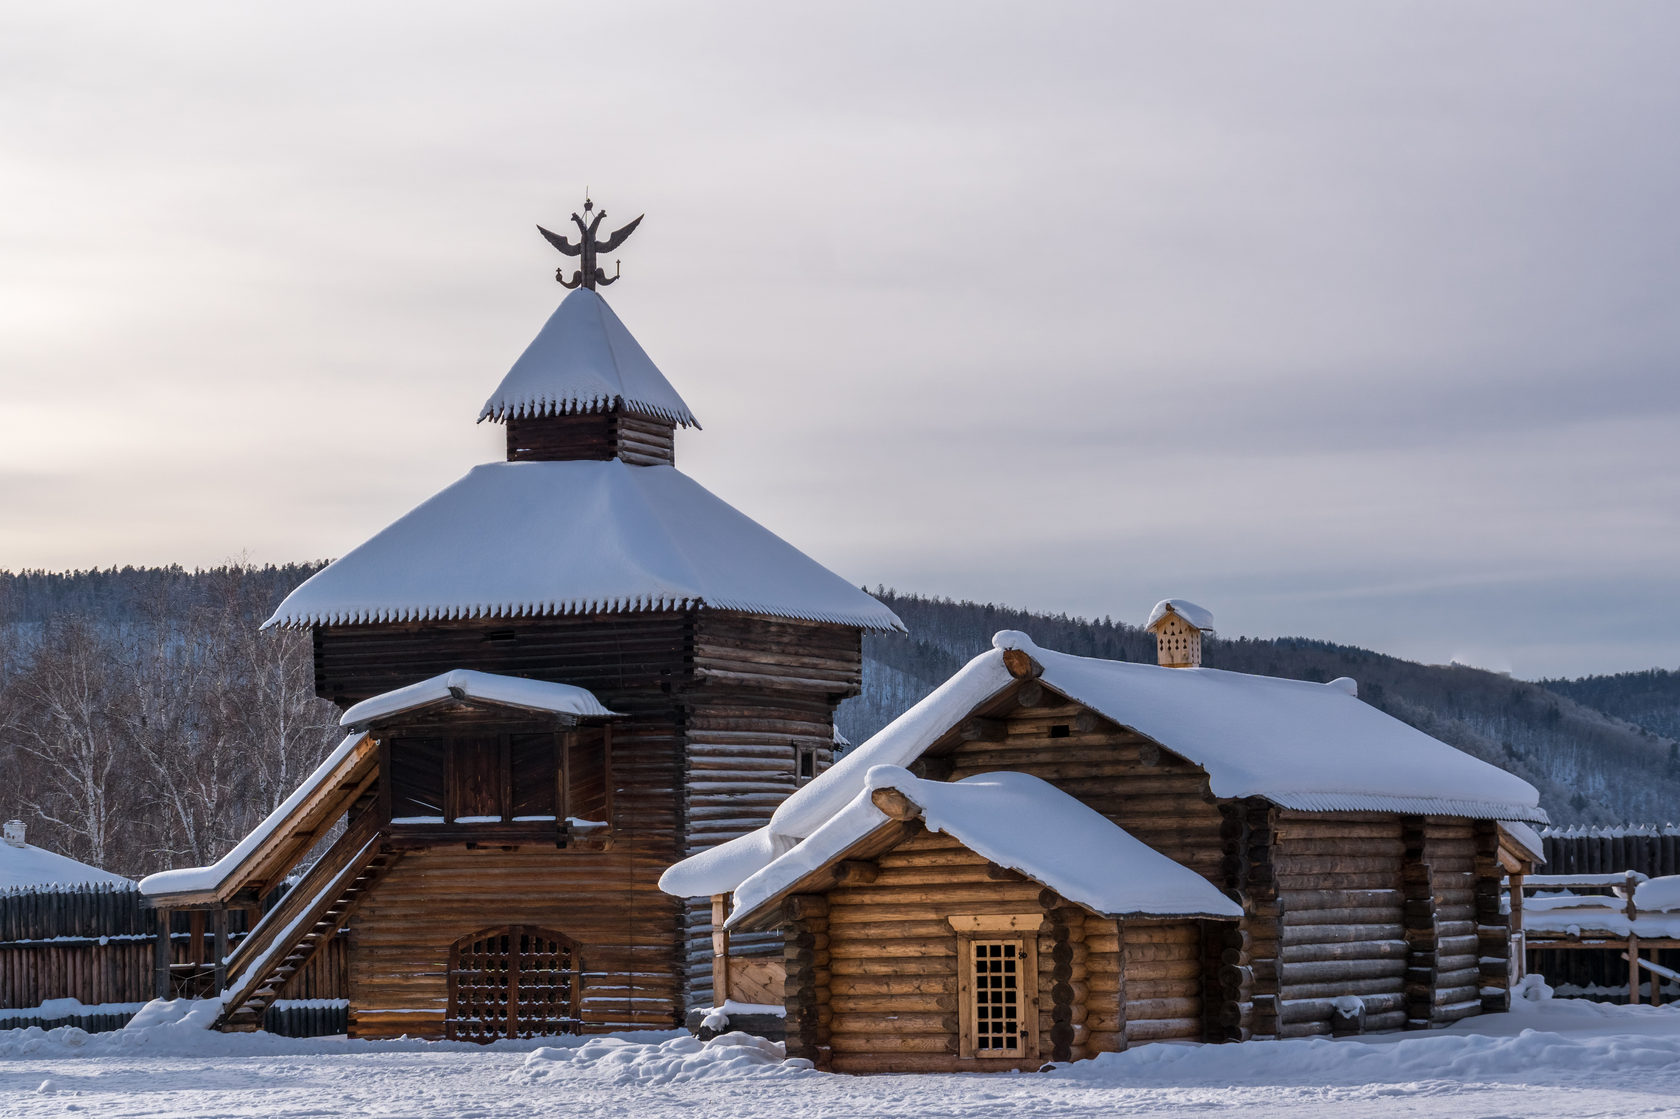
[1354, 321]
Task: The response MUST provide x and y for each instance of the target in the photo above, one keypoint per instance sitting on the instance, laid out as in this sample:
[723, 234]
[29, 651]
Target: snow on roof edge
[1411, 806]
[1125, 872]
[485, 687]
[870, 623]
[194, 879]
[1199, 616]
[533, 407]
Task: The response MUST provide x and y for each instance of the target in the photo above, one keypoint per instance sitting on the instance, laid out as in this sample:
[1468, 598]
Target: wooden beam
[895, 804]
[720, 950]
[1021, 664]
[978, 728]
[856, 872]
[163, 954]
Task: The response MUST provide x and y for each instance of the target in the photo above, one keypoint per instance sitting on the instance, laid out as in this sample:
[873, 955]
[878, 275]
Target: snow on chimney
[14, 833]
[1178, 625]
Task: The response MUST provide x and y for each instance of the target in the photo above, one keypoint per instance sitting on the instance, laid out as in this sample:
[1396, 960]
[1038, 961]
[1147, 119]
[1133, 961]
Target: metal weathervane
[590, 275]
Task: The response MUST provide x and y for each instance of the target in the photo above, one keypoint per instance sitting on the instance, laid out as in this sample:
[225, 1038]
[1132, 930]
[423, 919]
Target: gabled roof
[484, 687]
[1312, 747]
[584, 360]
[1014, 820]
[33, 868]
[522, 539]
[1199, 616]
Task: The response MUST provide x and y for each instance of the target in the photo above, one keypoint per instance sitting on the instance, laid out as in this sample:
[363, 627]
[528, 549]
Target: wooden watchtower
[498, 872]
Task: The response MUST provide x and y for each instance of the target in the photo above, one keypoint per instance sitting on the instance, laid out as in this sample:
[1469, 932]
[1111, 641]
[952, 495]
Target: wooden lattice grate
[515, 981]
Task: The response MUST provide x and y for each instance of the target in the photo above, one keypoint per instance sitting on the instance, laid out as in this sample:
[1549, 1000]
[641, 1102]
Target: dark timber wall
[719, 708]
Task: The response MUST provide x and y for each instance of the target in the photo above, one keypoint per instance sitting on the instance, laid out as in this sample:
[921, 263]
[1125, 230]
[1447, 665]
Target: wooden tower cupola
[1178, 626]
[584, 388]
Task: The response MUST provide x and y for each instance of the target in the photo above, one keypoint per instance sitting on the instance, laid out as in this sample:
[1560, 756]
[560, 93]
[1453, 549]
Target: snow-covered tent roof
[484, 687]
[1199, 616]
[584, 360]
[518, 539]
[1084, 856]
[29, 867]
[1312, 747]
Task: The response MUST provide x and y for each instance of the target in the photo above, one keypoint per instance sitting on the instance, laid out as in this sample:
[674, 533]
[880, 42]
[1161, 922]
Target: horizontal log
[1139, 1010]
[1164, 1029]
[1392, 949]
[1340, 934]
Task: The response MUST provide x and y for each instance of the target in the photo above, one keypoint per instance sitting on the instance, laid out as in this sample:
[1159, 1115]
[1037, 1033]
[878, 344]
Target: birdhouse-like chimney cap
[1178, 625]
[14, 833]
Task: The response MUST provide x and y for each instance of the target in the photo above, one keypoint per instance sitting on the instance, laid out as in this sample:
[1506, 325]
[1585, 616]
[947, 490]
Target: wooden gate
[513, 981]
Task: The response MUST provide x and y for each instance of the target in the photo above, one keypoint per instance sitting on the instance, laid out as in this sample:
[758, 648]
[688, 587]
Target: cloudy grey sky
[1354, 321]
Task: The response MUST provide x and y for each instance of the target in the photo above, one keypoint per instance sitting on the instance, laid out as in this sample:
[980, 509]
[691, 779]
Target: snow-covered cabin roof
[1084, 856]
[1199, 616]
[520, 539]
[485, 687]
[584, 360]
[30, 867]
[1312, 747]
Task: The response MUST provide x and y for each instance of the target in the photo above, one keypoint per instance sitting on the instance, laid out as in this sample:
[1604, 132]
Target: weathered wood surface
[638, 440]
[1343, 927]
[608, 901]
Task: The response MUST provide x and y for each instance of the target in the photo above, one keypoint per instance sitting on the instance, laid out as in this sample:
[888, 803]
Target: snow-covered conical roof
[522, 539]
[585, 360]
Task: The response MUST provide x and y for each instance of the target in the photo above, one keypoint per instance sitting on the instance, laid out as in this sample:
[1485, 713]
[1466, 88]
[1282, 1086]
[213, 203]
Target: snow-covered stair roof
[1312, 747]
[519, 539]
[585, 360]
[1074, 850]
[485, 687]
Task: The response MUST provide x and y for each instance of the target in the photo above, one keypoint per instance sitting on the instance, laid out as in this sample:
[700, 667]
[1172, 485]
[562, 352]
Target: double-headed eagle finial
[589, 276]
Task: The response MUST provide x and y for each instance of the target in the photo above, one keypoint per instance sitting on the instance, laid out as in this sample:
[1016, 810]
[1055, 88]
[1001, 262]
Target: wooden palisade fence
[97, 944]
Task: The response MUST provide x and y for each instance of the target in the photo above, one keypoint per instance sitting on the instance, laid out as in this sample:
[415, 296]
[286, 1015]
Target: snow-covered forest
[145, 721]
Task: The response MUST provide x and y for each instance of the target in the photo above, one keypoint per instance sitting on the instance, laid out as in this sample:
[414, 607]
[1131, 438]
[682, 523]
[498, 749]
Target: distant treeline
[146, 722]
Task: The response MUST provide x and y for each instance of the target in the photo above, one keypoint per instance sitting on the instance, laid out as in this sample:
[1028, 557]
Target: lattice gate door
[515, 981]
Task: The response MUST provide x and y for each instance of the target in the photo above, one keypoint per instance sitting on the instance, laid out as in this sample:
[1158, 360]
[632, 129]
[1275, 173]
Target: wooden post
[162, 956]
[219, 923]
[1633, 969]
[196, 953]
[1420, 924]
[1519, 941]
[720, 950]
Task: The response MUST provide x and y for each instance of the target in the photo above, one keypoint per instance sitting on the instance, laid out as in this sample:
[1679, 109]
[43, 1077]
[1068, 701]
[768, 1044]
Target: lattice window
[515, 981]
[997, 991]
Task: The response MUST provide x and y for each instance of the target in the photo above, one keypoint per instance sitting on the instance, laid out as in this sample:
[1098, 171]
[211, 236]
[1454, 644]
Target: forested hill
[1650, 699]
[145, 722]
[1589, 766]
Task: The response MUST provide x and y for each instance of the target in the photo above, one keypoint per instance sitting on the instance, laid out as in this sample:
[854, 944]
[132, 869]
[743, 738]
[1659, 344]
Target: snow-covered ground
[1547, 1059]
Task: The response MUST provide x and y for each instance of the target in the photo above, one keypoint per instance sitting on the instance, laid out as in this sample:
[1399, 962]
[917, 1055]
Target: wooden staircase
[292, 932]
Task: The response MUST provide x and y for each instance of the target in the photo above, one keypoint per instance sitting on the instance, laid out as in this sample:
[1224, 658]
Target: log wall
[608, 901]
[881, 980]
[1450, 851]
[638, 440]
[1343, 931]
[1153, 794]
[611, 655]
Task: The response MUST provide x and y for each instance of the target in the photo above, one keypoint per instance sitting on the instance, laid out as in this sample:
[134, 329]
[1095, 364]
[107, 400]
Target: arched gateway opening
[513, 981]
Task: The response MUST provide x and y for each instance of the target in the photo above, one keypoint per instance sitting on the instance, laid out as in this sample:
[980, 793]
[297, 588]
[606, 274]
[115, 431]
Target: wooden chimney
[1178, 626]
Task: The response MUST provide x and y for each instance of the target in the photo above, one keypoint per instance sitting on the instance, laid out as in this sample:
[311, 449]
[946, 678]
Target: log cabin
[558, 676]
[1358, 858]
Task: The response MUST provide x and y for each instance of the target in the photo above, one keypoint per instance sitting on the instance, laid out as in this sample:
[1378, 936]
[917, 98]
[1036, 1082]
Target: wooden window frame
[1021, 929]
[803, 755]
